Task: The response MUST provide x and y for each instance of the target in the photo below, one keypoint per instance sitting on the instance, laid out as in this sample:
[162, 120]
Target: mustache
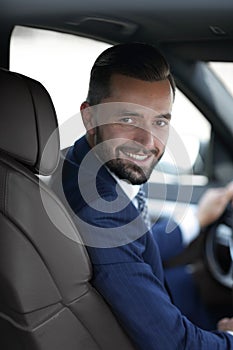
[138, 149]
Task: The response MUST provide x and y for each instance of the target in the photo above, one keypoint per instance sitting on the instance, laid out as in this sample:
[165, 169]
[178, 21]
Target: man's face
[132, 126]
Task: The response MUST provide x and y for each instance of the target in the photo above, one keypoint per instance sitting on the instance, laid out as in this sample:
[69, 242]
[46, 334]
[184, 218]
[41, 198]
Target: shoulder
[84, 178]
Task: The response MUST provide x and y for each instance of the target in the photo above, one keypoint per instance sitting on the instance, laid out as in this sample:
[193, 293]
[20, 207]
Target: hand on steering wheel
[219, 248]
[213, 203]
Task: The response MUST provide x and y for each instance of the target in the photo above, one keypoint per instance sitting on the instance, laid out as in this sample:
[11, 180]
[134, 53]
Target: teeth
[136, 156]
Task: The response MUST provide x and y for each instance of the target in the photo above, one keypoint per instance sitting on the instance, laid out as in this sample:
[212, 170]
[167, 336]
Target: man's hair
[136, 60]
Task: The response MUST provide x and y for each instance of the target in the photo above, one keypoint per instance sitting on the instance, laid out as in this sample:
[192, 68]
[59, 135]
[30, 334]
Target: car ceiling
[186, 31]
[201, 29]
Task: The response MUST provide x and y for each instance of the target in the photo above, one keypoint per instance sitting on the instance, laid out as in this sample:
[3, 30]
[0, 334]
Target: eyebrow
[167, 116]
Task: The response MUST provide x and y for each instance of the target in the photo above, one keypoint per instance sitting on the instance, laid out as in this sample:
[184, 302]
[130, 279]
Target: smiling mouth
[134, 156]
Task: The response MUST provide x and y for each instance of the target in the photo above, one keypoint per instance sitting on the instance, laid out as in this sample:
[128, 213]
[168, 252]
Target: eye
[161, 123]
[126, 120]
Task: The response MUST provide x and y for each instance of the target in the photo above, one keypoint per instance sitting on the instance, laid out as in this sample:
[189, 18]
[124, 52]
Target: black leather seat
[46, 299]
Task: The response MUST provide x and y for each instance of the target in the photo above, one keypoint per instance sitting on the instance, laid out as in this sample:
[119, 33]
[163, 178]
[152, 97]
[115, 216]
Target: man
[127, 116]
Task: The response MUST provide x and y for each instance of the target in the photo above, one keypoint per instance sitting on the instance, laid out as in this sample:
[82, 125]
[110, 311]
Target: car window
[224, 71]
[62, 63]
[189, 134]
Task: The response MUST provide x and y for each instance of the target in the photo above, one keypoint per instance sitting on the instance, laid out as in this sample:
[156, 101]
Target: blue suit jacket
[126, 258]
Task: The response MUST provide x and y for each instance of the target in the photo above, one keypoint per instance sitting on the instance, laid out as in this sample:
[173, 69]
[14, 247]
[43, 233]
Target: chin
[129, 172]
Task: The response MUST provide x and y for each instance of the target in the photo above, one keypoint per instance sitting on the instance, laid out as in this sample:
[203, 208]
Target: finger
[225, 324]
[223, 320]
[229, 189]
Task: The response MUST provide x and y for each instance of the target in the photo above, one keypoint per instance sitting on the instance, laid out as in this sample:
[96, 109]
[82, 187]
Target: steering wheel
[219, 248]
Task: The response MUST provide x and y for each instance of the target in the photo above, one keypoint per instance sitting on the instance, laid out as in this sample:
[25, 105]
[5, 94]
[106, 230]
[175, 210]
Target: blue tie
[143, 209]
[142, 206]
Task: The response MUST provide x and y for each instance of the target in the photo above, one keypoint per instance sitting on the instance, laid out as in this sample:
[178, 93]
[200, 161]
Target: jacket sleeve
[130, 278]
[170, 244]
[141, 304]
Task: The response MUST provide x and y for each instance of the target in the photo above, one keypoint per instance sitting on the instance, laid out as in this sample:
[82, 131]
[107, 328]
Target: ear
[87, 117]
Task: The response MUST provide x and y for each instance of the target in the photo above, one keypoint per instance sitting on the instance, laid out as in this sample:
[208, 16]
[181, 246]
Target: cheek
[109, 138]
[112, 144]
[108, 132]
[161, 138]
[117, 134]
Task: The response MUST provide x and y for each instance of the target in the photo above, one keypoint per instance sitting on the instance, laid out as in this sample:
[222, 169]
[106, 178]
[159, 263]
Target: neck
[91, 140]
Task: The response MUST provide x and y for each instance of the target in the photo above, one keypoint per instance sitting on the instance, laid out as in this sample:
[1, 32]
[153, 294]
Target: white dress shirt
[189, 224]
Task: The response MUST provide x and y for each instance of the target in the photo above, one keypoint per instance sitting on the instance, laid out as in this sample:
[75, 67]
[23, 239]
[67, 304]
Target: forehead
[113, 111]
[156, 95]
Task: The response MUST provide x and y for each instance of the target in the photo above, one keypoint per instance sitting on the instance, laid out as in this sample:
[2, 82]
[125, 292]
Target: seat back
[46, 298]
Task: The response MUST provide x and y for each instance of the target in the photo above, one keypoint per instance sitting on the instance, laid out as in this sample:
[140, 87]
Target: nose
[145, 138]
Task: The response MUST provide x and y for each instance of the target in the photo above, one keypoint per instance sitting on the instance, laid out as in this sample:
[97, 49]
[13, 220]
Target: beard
[129, 171]
[123, 168]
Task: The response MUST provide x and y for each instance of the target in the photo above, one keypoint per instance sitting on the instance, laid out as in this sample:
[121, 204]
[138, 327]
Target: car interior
[45, 276]
[47, 300]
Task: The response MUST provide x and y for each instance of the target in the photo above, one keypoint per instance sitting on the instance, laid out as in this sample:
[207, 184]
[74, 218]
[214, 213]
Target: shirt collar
[130, 190]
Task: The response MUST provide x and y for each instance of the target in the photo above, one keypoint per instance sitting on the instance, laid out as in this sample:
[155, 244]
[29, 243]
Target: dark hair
[136, 60]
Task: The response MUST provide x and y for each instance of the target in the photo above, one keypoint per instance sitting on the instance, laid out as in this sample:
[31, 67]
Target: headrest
[27, 120]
